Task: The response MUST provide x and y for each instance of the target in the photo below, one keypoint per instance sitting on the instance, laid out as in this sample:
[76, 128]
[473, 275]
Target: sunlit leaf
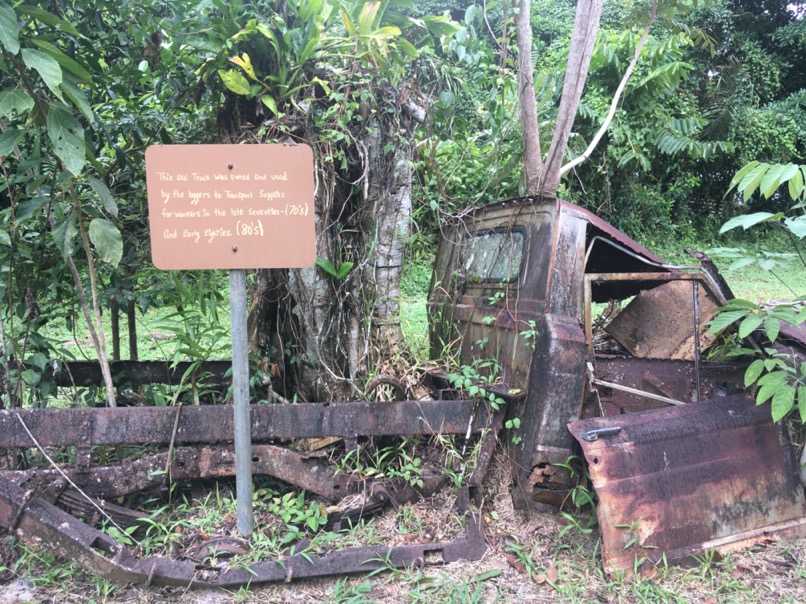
[107, 241]
[67, 137]
[13, 101]
[8, 140]
[9, 31]
[46, 66]
[235, 81]
[782, 402]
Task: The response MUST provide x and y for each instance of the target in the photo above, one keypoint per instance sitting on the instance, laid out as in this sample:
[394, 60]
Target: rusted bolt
[234, 248]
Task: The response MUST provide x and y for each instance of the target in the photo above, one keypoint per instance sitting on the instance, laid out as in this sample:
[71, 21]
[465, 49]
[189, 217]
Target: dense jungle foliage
[85, 88]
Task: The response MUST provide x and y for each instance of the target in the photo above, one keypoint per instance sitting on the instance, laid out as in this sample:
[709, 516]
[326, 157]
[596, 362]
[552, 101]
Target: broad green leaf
[802, 403]
[782, 401]
[749, 325]
[723, 319]
[49, 19]
[738, 303]
[796, 185]
[327, 266]
[441, 25]
[67, 137]
[774, 378]
[107, 241]
[771, 180]
[5, 239]
[751, 180]
[8, 140]
[773, 327]
[13, 101]
[64, 233]
[235, 81]
[47, 67]
[753, 372]
[741, 263]
[767, 264]
[269, 101]
[747, 220]
[9, 31]
[742, 173]
[68, 63]
[105, 195]
[78, 99]
[797, 225]
[344, 270]
[29, 207]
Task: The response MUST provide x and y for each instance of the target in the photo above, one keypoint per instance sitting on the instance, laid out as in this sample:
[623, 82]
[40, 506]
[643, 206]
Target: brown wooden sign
[231, 206]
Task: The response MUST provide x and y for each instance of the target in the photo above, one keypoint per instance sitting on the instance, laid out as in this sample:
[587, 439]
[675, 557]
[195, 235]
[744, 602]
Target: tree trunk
[532, 155]
[326, 332]
[583, 38]
[544, 178]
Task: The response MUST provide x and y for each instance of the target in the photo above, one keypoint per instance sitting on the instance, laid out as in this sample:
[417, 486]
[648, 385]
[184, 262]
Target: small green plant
[777, 375]
[530, 335]
[512, 425]
[338, 273]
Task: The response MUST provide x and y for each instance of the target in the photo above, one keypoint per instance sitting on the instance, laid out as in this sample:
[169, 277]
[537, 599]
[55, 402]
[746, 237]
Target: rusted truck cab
[517, 289]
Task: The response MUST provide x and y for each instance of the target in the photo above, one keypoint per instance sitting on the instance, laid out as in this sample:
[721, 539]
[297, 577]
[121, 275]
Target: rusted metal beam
[213, 423]
[681, 480]
[34, 519]
[308, 472]
[135, 373]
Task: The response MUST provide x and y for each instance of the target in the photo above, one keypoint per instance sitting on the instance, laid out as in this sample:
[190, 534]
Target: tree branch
[616, 97]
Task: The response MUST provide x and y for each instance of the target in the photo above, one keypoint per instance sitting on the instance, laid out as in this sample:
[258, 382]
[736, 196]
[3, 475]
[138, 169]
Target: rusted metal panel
[213, 424]
[659, 322]
[681, 480]
[673, 379]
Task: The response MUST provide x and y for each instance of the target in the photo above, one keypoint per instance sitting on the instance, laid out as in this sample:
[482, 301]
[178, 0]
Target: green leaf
[741, 263]
[783, 401]
[749, 325]
[67, 137]
[797, 225]
[5, 239]
[751, 180]
[49, 19]
[8, 140]
[9, 31]
[62, 59]
[723, 319]
[753, 372]
[29, 207]
[105, 195]
[78, 98]
[742, 173]
[802, 403]
[795, 185]
[772, 326]
[235, 81]
[107, 240]
[490, 574]
[47, 67]
[771, 180]
[747, 220]
[269, 101]
[327, 266]
[64, 233]
[13, 101]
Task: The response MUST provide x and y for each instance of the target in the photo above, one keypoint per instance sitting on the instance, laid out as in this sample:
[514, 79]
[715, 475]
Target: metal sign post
[232, 207]
[240, 399]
